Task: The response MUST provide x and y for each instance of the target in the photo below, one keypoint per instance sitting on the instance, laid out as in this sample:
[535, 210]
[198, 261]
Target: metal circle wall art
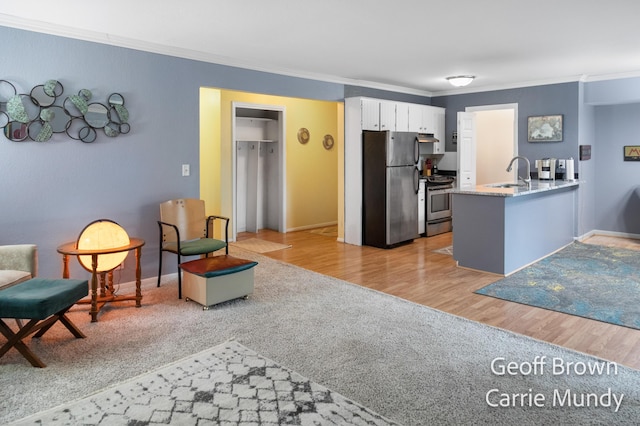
[327, 142]
[35, 116]
[303, 135]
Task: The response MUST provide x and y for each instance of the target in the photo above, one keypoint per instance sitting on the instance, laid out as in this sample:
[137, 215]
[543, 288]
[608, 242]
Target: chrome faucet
[527, 178]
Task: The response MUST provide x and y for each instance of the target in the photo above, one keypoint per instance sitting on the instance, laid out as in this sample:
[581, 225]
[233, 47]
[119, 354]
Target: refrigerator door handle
[416, 179]
[416, 150]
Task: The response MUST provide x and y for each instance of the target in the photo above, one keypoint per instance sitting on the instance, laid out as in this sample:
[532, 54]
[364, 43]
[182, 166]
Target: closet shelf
[255, 118]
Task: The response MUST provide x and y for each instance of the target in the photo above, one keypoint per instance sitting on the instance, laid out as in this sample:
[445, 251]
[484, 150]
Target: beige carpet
[259, 246]
[407, 362]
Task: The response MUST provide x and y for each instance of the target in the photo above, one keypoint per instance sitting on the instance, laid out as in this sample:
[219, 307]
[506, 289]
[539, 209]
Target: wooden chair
[184, 231]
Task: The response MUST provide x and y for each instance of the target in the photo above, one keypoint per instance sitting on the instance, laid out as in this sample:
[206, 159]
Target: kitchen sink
[506, 185]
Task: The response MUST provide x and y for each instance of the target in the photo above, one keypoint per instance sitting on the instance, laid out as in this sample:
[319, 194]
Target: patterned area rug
[228, 384]
[329, 231]
[259, 246]
[591, 281]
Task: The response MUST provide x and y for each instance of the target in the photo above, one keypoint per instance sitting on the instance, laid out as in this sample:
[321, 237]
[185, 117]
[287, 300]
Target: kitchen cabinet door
[402, 117]
[416, 113]
[370, 110]
[428, 119]
[387, 115]
[438, 130]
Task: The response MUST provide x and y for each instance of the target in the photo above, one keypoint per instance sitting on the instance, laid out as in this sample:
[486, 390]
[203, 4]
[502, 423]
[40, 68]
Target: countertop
[537, 186]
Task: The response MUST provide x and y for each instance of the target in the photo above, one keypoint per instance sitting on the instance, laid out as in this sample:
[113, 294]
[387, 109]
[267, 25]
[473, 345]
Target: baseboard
[608, 234]
[307, 227]
[147, 281]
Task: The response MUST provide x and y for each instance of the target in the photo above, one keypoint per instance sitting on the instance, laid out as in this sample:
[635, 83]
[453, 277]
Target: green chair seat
[195, 247]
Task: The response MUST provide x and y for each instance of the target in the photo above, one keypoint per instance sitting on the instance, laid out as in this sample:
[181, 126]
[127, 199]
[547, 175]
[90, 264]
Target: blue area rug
[591, 281]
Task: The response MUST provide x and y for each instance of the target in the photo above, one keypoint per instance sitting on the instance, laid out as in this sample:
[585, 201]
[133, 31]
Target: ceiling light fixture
[461, 80]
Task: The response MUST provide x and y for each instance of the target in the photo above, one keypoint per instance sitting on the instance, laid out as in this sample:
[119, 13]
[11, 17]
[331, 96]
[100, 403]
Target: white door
[466, 151]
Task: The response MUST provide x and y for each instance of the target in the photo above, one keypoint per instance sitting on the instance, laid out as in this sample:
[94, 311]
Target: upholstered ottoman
[44, 302]
[213, 280]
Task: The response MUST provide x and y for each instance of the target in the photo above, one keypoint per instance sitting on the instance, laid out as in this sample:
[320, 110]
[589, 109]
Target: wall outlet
[186, 170]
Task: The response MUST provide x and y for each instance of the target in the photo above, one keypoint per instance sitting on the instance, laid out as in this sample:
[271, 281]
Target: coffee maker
[565, 169]
[546, 169]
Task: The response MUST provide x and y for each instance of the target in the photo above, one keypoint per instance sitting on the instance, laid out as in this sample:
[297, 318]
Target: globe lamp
[102, 235]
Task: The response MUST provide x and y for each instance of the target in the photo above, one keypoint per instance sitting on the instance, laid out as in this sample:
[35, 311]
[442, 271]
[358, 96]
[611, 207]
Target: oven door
[438, 202]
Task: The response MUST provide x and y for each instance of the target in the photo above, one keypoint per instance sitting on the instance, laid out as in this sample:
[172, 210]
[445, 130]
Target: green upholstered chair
[184, 231]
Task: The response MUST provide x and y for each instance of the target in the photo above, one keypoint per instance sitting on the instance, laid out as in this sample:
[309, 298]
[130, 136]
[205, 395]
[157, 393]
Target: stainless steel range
[438, 204]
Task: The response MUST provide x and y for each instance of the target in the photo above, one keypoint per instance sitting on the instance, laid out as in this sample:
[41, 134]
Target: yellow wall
[313, 174]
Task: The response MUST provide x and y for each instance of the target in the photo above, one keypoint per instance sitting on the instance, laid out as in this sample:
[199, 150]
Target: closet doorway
[259, 198]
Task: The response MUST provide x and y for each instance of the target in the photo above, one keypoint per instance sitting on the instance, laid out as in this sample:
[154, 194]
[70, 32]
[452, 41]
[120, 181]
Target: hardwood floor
[415, 272]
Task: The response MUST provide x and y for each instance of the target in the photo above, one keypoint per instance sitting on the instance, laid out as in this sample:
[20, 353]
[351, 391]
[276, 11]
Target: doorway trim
[282, 172]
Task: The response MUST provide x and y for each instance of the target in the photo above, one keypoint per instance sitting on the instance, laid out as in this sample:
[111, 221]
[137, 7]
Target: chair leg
[160, 265]
[179, 279]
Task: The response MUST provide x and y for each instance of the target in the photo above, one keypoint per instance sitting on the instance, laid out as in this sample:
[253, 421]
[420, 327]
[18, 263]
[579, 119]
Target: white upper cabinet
[402, 117]
[421, 118]
[438, 130]
[387, 116]
[370, 110]
[415, 118]
[377, 114]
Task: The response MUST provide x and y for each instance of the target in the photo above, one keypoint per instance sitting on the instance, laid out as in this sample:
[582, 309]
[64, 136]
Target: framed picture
[544, 128]
[632, 153]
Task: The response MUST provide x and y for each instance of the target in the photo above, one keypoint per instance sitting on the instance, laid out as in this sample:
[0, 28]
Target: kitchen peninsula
[502, 228]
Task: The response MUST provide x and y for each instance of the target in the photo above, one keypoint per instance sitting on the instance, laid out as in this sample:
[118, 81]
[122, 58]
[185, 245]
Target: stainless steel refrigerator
[390, 188]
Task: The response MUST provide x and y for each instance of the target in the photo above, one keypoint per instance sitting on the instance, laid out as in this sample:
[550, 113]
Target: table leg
[111, 288]
[65, 266]
[103, 289]
[94, 288]
[138, 277]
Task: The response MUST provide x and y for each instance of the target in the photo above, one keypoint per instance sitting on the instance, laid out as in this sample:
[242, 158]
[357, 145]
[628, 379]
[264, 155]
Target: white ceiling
[406, 45]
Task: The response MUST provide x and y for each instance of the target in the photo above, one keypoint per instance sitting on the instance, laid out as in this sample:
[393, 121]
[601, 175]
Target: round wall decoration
[327, 142]
[303, 135]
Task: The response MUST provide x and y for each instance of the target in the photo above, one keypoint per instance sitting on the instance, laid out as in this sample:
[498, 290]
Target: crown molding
[117, 41]
[124, 42]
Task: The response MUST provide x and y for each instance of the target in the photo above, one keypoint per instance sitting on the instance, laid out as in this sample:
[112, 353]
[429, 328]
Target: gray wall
[538, 100]
[612, 109]
[603, 114]
[50, 191]
[617, 206]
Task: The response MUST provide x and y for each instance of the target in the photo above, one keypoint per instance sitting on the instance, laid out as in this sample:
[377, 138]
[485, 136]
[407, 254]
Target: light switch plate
[185, 170]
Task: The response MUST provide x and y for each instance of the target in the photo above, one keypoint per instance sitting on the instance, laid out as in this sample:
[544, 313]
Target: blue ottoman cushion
[40, 298]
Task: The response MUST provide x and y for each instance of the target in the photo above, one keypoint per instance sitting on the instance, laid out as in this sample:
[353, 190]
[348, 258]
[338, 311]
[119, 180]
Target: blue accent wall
[50, 191]
[538, 100]
[617, 189]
